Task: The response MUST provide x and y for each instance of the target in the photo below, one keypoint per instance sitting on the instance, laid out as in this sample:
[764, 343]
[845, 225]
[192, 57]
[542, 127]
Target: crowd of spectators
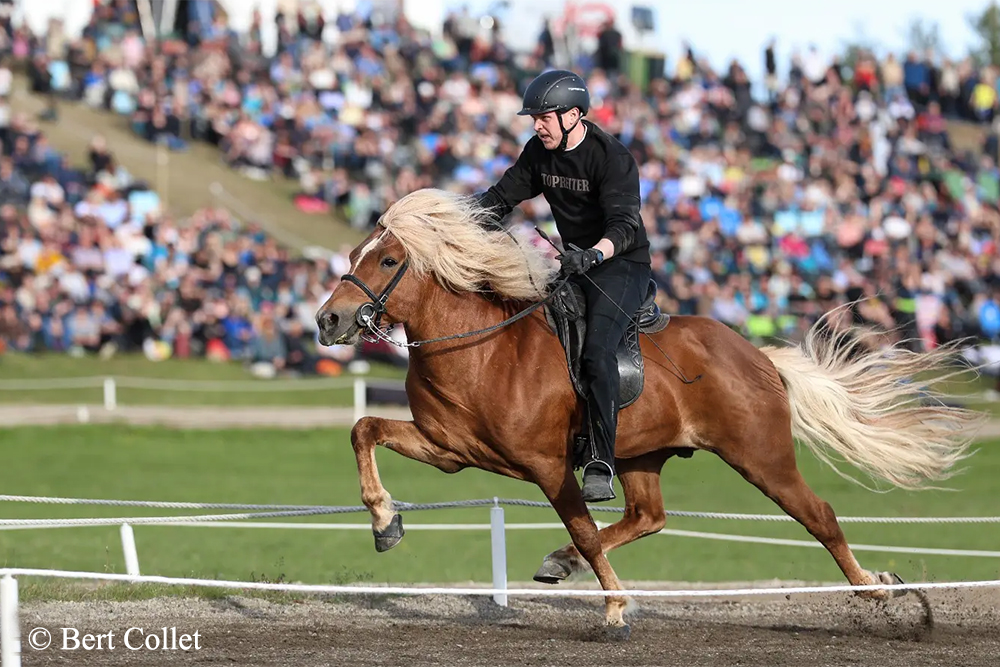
[838, 182]
[91, 263]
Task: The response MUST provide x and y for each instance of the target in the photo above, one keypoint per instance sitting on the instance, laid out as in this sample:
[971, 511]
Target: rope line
[112, 521]
[306, 510]
[531, 592]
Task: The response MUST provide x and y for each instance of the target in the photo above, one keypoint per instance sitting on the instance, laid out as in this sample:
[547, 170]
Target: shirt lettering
[566, 183]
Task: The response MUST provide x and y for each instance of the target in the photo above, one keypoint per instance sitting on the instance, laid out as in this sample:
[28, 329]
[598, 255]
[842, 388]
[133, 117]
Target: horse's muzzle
[327, 321]
[334, 329]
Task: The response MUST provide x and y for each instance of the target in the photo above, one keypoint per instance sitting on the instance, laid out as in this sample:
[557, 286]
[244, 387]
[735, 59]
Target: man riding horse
[591, 182]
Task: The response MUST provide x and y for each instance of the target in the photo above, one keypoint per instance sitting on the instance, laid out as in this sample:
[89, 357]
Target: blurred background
[184, 179]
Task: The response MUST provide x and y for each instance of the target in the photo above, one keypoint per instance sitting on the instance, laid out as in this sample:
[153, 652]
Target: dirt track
[196, 417]
[804, 630]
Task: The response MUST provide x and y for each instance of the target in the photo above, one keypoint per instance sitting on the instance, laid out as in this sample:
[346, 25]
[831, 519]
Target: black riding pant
[620, 288]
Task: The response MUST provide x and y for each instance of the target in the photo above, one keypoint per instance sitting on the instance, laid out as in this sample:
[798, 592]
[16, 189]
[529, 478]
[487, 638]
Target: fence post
[128, 547]
[499, 544]
[110, 394]
[360, 399]
[10, 627]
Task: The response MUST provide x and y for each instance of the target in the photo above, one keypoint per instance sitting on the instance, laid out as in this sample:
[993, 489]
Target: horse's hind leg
[563, 492]
[644, 515]
[770, 466]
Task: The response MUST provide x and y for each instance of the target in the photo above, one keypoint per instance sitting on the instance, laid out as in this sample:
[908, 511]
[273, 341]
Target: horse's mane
[443, 233]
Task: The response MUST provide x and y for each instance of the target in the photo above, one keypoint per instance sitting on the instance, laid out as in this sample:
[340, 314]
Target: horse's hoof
[390, 537]
[882, 595]
[617, 633]
[892, 579]
[552, 571]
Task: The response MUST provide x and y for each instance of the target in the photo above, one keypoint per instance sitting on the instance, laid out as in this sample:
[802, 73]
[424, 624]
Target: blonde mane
[442, 233]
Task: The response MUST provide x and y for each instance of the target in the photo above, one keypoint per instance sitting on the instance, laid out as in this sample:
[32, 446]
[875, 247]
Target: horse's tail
[865, 406]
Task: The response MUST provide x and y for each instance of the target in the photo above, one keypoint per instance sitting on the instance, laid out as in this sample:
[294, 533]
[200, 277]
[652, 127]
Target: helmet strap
[565, 133]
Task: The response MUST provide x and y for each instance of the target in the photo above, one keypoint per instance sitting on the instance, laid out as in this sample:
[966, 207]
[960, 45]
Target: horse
[502, 400]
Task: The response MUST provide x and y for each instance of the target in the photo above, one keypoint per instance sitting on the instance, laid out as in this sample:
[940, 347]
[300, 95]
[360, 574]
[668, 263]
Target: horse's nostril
[329, 321]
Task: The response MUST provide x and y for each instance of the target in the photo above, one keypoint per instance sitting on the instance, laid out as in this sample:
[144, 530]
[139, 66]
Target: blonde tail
[867, 407]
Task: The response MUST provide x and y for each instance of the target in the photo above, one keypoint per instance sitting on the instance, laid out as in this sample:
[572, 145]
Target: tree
[921, 37]
[861, 44]
[986, 25]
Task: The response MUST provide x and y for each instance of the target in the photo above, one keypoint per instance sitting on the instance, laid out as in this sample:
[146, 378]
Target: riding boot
[599, 472]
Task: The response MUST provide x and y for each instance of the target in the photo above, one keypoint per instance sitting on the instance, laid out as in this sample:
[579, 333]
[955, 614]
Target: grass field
[317, 467]
[14, 367]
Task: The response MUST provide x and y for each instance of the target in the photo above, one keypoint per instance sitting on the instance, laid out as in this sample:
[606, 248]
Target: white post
[10, 628]
[499, 544]
[128, 547]
[360, 399]
[110, 394]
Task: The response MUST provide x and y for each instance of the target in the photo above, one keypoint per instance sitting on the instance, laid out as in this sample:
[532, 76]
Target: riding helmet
[556, 90]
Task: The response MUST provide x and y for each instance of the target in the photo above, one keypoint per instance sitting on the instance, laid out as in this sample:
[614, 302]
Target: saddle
[567, 315]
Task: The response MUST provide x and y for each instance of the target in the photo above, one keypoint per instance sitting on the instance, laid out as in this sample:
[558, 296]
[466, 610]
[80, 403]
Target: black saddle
[566, 314]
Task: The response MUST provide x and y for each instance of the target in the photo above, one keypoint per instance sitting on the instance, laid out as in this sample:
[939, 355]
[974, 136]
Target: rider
[591, 182]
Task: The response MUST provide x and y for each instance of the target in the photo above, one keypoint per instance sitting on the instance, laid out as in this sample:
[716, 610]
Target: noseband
[369, 315]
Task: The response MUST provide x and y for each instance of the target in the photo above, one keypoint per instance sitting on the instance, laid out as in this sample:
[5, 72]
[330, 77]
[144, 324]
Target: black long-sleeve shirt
[593, 191]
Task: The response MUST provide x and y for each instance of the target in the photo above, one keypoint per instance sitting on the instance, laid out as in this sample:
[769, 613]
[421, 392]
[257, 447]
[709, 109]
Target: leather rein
[369, 315]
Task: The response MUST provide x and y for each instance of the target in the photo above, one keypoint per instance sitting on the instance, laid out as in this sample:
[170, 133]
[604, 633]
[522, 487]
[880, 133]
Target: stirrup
[598, 482]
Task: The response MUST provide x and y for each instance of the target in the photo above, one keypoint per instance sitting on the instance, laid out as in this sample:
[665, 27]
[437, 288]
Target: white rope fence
[477, 502]
[497, 525]
[331, 589]
[10, 632]
[110, 385]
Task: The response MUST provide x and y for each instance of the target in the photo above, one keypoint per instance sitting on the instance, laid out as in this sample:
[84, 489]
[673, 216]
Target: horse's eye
[388, 262]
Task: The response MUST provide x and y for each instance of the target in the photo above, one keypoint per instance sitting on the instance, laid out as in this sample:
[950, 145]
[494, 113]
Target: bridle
[368, 316]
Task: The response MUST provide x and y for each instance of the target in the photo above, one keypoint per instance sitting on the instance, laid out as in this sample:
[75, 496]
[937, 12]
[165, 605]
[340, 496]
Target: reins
[369, 315]
[368, 322]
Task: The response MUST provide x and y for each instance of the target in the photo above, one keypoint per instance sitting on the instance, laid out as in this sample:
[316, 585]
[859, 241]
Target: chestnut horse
[502, 401]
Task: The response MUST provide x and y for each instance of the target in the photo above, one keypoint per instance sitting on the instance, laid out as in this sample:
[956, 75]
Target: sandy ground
[836, 629]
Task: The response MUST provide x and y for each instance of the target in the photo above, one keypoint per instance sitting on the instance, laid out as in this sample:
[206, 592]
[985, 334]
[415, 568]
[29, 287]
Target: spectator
[841, 184]
[609, 49]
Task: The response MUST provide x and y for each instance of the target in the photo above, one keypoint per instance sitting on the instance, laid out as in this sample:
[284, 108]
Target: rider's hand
[578, 262]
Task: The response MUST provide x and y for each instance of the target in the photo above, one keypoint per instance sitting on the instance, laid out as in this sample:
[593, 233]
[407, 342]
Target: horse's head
[378, 270]
[436, 234]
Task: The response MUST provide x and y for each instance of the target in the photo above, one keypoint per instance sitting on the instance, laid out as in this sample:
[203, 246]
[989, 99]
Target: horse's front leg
[401, 437]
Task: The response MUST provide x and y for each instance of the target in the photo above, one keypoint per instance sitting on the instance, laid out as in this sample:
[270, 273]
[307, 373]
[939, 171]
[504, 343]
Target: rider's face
[547, 127]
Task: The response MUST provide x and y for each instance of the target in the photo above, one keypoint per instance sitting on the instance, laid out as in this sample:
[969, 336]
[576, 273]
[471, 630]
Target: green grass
[15, 367]
[317, 467]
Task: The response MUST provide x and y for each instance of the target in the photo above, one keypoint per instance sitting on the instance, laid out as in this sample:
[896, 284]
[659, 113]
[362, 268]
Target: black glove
[578, 262]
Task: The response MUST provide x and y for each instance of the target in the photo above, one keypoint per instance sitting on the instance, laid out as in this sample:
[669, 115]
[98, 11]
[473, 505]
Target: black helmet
[558, 90]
